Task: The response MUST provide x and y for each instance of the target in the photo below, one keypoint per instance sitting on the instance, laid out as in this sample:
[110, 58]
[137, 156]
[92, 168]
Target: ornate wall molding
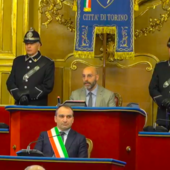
[155, 24]
[74, 66]
[119, 64]
[51, 10]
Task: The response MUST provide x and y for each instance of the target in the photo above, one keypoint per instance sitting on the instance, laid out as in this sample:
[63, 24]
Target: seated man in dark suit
[62, 141]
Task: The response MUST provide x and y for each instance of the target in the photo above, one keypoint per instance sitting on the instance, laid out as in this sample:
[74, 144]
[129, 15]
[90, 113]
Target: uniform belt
[166, 84]
[34, 70]
[31, 72]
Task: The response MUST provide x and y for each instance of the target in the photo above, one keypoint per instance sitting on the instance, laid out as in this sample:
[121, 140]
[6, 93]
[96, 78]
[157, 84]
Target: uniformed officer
[159, 89]
[32, 75]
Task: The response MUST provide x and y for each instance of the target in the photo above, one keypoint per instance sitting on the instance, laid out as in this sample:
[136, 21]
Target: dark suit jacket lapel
[52, 152]
[70, 138]
[99, 96]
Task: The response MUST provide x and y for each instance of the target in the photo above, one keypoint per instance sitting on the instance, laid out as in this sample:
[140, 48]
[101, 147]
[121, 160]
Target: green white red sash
[57, 143]
[87, 5]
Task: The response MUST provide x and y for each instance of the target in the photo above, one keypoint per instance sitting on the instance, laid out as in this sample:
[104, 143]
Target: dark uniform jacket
[159, 88]
[38, 85]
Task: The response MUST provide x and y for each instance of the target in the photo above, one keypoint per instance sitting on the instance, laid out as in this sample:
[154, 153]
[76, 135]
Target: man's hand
[23, 100]
[166, 103]
[16, 94]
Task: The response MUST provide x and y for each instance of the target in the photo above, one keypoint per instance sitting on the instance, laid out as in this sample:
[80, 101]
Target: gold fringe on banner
[136, 5]
[75, 5]
[124, 55]
[102, 30]
[83, 54]
[118, 55]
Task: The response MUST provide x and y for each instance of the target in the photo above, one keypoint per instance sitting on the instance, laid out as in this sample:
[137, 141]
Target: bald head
[90, 77]
[35, 167]
[90, 69]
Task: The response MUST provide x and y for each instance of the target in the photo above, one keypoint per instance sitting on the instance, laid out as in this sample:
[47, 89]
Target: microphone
[32, 152]
[28, 147]
[58, 100]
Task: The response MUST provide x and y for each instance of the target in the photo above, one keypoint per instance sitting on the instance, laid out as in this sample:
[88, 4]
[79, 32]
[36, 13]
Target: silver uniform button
[25, 87]
[28, 67]
[30, 61]
[26, 80]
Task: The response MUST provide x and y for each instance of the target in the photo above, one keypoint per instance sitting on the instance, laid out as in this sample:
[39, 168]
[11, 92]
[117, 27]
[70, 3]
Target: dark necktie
[62, 135]
[90, 103]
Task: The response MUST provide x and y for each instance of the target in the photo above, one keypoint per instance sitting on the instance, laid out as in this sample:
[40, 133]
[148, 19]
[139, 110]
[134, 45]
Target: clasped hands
[24, 100]
[21, 96]
[166, 104]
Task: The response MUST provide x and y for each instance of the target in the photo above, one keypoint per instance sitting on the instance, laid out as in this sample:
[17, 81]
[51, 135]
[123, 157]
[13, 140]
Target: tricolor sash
[57, 143]
[87, 5]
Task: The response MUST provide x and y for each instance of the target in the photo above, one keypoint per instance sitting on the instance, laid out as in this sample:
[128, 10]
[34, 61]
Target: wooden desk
[20, 163]
[4, 133]
[4, 142]
[153, 150]
[112, 130]
[4, 115]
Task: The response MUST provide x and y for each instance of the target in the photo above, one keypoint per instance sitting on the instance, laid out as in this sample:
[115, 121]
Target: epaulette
[48, 58]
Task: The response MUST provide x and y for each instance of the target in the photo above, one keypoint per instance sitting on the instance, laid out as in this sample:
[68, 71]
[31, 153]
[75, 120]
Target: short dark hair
[65, 106]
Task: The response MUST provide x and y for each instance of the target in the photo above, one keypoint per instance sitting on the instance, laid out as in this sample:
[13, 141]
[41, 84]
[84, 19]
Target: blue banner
[104, 16]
